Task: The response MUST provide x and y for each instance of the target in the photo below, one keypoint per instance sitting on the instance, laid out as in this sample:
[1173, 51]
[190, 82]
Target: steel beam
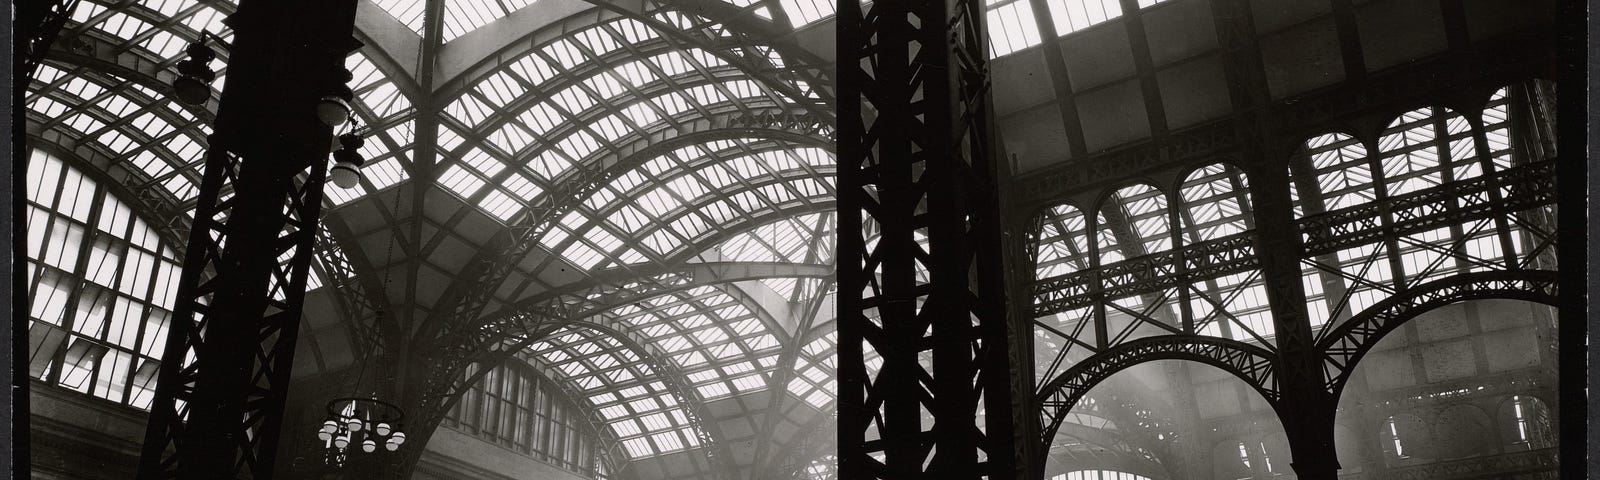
[220, 399]
[916, 162]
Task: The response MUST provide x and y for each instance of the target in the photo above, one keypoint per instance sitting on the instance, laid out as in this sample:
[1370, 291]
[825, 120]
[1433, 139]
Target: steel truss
[1305, 372]
[915, 160]
[218, 414]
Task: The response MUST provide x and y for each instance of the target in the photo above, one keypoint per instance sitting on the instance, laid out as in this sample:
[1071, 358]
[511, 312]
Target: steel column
[222, 388]
[916, 161]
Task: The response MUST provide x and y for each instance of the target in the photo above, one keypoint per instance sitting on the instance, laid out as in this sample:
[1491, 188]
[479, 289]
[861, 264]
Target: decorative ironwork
[1346, 345]
[1147, 274]
[1253, 364]
[367, 424]
[1527, 186]
[41, 22]
[915, 158]
[237, 312]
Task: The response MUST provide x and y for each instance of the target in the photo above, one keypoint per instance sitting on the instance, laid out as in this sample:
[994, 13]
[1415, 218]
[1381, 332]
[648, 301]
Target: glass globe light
[399, 438]
[324, 436]
[345, 175]
[191, 90]
[391, 445]
[333, 111]
[368, 446]
[346, 171]
[355, 425]
[341, 442]
[382, 429]
[330, 426]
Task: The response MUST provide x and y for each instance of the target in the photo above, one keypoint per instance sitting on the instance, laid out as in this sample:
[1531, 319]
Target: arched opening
[1458, 382]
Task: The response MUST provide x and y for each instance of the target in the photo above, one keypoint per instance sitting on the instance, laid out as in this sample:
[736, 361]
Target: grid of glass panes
[1421, 149]
[152, 134]
[1063, 245]
[1011, 26]
[814, 372]
[1098, 475]
[640, 411]
[716, 341]
[517, 410]
[1215, 203]
[101, 283]
[387, 122]
[806, 12]
[524, 127]
[663, 208]
[804, 238]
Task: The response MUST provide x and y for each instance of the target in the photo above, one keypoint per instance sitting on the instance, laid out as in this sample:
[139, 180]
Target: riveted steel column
[922, 283]
[219, 403]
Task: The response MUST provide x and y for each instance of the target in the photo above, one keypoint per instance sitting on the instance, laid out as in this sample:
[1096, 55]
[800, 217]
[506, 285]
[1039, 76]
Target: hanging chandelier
[357, 426]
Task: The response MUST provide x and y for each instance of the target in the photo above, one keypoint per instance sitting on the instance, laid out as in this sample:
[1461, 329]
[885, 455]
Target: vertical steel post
[224, 380]
[923, 284]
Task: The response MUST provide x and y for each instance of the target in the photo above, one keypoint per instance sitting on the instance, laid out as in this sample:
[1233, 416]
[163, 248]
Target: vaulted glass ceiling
[637, 143]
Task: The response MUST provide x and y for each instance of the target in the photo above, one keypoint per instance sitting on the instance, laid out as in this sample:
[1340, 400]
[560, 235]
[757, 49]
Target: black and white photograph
[802, 240]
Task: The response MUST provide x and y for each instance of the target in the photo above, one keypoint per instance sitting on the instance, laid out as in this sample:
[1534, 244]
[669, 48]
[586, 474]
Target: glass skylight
[814, 380]
[128, 121]
[528, 126]
[1420, 150]
[639, 409]
[676, 200]
[462, 16]
[718, 342]
[102, 283]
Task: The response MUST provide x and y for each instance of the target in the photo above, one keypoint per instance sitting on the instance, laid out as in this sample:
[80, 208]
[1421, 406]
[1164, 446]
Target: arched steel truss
[1346, 345]
[1504, 192]
[1252, 364]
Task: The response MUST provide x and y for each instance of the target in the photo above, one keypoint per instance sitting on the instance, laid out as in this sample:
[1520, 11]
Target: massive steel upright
[921, 280]
[222, 388]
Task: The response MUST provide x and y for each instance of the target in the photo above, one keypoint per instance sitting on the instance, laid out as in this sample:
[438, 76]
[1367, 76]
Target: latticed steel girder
[1252, 364]
[463, 301]
[237, 313]
[1346, 345]
[40, 23]
[916, 161]
[1146, 274]
[1525, 187]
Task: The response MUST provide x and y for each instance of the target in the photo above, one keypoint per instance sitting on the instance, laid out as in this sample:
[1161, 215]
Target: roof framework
[721, 191]
[677, 169]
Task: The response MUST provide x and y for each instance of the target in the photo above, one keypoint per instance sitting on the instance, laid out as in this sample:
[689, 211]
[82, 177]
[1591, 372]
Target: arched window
[102, 284]
[1216, 205]
[515, 409]
[1525, 423]
[1099, 475]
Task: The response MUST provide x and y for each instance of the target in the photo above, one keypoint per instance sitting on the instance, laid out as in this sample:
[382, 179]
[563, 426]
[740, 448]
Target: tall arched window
[102, 283]
[515, 409]
[1216, 205]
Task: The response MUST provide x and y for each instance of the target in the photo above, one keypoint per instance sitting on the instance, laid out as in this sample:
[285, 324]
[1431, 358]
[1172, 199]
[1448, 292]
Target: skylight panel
[598, 40]
[385, 100]
[460, 181]
[521, 187]
[541, 118]
[164, 44]
[635, 73]
[573, 99]
[564, 53]
[1011, 27]
[1073, 15]
[578, 145]
[511, 138]
[641, 114]
[468, 110]
[500, 89]
[633, 31]
[122, 25]
[500, 205]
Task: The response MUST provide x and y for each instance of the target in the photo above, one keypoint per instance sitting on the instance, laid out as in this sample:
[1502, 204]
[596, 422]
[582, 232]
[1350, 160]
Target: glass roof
[649, 109]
